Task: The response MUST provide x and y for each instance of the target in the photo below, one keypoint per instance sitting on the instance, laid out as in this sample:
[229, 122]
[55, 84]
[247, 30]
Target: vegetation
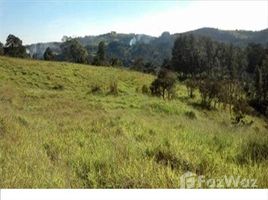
[1, 49]
[73, 51]
[60, 128]
[14, 47]
[48, 55]
[164, 84]
[223, 73]
[130, 47]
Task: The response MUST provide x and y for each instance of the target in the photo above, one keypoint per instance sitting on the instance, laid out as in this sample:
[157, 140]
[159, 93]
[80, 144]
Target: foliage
[73, 51]
[191, 86]
[164, 84]
[72, 138]
[253, 151]
[14, 47]
[100, 58]
[145, 89]
[1, 49]
[115, 62]
[224, 73]
[96, 89]
[48, 55]
[190, 114]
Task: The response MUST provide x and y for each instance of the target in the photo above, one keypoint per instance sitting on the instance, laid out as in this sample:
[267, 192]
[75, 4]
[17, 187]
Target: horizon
[49, 21]
[95, 35]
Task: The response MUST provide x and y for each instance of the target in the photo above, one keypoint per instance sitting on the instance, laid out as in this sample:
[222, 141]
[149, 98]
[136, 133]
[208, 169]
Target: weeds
[96, 89]
[190, 114]
[253, 151]
[66, 138]
[113, 88]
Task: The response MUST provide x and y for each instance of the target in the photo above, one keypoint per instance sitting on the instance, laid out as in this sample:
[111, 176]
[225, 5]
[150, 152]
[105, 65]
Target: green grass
[56, 133]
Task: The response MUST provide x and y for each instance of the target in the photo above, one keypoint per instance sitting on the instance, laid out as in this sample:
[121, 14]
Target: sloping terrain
[162, 45]
[61, 126]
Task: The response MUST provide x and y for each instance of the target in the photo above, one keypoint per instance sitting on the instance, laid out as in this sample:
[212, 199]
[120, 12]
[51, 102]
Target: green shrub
[164, 84]
[145, 89]
[240, 108]
[191, 86]
[164, 156]
[95, 89]
[190, 114]
[58, 87]
[254, 151]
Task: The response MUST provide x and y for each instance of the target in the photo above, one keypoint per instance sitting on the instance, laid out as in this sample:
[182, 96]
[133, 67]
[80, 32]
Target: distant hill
[130, 47]
[236, 37]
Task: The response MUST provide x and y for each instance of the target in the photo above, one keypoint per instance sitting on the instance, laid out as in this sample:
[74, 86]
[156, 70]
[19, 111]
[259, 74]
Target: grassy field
[56, 133]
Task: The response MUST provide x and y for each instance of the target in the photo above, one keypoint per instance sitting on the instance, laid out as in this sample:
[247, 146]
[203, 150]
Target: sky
[48, 20]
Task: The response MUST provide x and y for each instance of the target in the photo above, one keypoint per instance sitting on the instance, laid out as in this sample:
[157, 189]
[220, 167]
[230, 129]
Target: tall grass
[55, 132]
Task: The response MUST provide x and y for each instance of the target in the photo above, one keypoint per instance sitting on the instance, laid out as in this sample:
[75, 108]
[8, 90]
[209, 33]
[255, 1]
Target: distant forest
[136, 49]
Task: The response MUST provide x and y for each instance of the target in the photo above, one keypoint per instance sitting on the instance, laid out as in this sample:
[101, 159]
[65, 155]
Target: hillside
[235, 37]
[130, 47]
[55, 132]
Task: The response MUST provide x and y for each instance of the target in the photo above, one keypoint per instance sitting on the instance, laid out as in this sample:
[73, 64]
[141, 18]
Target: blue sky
[48, 20]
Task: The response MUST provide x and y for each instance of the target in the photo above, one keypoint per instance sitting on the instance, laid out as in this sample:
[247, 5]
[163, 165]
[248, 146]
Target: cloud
[248, 15]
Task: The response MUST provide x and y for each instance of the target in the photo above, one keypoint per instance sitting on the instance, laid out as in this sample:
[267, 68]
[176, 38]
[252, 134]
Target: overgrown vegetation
[73, 138]
[224, 74]
[164, 84]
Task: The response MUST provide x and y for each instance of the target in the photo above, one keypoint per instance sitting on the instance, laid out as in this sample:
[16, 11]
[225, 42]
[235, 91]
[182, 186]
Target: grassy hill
[56, 133]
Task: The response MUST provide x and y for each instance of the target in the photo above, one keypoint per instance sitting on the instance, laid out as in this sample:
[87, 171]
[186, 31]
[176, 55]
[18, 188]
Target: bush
[191, 85]
[95, 89]
[164, 84]
[254, 151]
[164, 156]
[156, 88]
[58, 87]
[209, 91]
[113, 88]
[145, 89]
[240, 108]
[190, 114]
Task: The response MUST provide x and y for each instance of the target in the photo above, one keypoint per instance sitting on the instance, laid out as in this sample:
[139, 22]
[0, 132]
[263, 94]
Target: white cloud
[247, 15]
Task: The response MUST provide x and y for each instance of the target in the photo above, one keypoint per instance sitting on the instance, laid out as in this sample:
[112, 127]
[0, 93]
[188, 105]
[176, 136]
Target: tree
[164, 84]
[14, 47]
[148, 68]
[1, 49]
[100, 57]
[138, 64]
[265, 78]
[255, 55]
[101, 51]
[209, 90]
[73, 51]
[166, 64]
[191, 85]
[185, 56]
[115, 62]
[48, 55]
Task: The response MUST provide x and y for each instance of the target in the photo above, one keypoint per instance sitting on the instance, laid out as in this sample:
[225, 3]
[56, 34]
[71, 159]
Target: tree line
[13, 47]
[71, 50]
[225, 75]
